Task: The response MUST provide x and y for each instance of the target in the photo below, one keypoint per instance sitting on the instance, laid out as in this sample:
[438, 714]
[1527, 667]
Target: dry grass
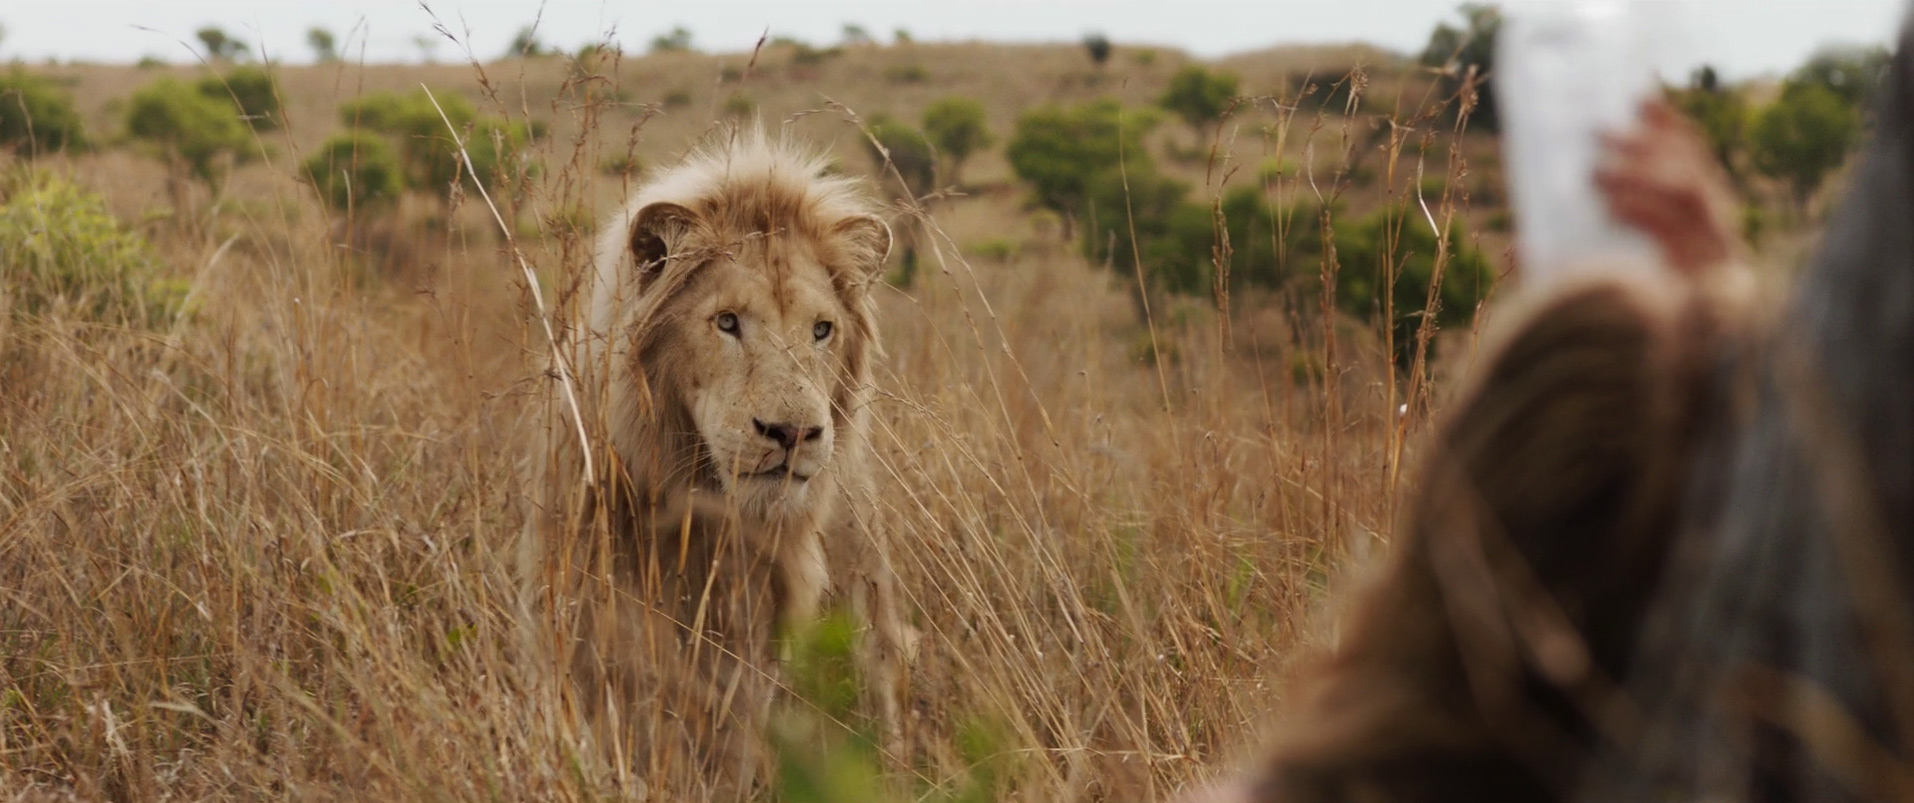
[261, 553]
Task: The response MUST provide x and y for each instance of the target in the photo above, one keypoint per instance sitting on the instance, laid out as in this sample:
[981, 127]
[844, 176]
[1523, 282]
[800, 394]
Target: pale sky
[1743, 37]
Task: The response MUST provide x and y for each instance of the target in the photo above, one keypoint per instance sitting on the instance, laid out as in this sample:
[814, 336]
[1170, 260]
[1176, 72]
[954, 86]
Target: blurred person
[1657, 547]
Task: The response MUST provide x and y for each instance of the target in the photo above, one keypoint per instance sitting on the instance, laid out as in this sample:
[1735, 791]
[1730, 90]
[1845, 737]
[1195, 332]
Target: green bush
[907, 74]
[1452, 51]
[1365, 248]
[1199, 96]
[426, 146]
[910, 152]
[219, 45]
[1098, 46]
[250, 89]
[677, 40]
[958, 127]
[827, 753]
[1147, 216]
[1720, 112]
[1283, 249]
[1061, 152]
[1803, 136]
[1851, 73]
[195, 134]
[355, 170]
[36, 116]
[64, 251]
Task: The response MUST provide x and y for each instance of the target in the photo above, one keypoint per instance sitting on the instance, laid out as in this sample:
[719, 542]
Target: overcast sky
[1744, 37]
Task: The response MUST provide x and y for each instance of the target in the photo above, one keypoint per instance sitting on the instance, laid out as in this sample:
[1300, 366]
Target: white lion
[723, 366]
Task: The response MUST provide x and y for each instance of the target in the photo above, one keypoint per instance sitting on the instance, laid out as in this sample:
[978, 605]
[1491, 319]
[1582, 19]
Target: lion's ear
[867, 240]
[656, 231]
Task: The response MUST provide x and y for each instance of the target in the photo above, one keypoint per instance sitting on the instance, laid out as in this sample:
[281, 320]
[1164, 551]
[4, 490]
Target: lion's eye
[821, 330]
[727, 323]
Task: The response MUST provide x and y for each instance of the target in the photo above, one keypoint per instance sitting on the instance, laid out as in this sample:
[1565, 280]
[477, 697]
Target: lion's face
[760, 342]
[766, 352]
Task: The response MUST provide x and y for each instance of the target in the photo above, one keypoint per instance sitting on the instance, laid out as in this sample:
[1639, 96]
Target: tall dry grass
[261, 552]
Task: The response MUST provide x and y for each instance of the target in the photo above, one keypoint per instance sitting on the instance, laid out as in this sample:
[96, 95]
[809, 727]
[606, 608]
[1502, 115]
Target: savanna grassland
[258, 545]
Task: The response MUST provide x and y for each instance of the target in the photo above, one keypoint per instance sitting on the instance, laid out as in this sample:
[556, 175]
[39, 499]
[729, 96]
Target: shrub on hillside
[1722, 114]
[219, 45]
[250, 89]
[959, 128]
[1199, 96]
[1098, 46]
[196, 135]
[909, 151]
[1061, 152]
[1407, 247]
[36, 116]
[1283, 249]
[430, 155]
[66, 253]
[1456, 51]
[355, 171]
[1803, 136]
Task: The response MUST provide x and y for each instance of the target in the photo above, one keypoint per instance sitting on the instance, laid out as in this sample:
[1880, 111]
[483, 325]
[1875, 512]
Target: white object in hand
[1566, 73]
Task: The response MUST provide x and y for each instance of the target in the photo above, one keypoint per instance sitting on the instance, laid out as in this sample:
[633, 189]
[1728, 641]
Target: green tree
[1371, 249]
[1148, 217]
[37, 116]
[355, 171]
[1454, 50]
[1061, 151]
[1803, 136]
[1098, 46]
[1849, 73]
[252, 91]
[1199, 96]
[427, 149]
[325, 47]
[64, 250]
[1720, 112]
[678, 39]
[525, 44]
[198, 137]
[910, 152]
[959, 128]
[219, 45]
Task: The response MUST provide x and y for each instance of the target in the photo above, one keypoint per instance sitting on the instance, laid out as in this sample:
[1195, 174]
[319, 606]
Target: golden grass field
[262, 552]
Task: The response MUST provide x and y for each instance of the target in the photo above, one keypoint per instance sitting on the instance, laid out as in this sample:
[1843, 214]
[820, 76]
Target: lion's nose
[787, 435]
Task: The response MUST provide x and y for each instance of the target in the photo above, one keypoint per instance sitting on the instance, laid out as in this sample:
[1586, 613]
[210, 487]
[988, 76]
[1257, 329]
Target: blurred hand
[1662, 178]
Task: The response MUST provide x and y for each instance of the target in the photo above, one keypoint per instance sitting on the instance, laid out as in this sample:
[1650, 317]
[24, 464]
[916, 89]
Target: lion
[721, 367]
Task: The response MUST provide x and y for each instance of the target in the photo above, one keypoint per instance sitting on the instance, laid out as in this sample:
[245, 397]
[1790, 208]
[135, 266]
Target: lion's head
[735, 298]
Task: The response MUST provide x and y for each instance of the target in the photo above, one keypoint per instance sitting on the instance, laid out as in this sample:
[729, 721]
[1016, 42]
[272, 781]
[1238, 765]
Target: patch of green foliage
[197, 135]
[1098, 47]
[65, 253]
[37, 116]
[1720, 112]
[427, 149]
[827, 753]
[1453, 50]
[910, 152]
[1283, 248]
[1063, 153]
[355, 170]
[1852, 74]
[250, 89]
[959, 127]
[1803, 136]
[1199, 96]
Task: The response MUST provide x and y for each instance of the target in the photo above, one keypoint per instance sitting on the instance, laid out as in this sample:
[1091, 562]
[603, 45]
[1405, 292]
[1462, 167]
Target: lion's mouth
[780, 473]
